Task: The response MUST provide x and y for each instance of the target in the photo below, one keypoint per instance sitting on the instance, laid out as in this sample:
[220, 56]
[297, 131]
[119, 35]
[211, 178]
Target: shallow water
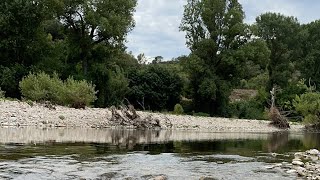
[29, 153]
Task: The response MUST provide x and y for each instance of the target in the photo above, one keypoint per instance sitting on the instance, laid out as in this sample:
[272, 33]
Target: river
[31, 153]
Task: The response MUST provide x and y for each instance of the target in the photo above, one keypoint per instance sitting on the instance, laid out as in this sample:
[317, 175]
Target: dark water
[130, 154]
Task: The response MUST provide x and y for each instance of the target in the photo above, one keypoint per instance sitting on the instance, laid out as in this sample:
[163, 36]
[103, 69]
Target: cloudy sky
[157, 23]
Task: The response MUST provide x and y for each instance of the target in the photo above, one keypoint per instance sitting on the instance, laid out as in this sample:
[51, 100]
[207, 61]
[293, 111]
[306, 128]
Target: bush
[78, 94]
[308, 105]
[41, 87]
[178, 109]
[250, 109]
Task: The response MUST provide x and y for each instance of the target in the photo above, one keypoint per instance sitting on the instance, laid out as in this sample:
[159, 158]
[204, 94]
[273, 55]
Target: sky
[157, 23]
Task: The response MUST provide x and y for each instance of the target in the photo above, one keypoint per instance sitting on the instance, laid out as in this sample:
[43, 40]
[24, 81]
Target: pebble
[298, 163]
[301, 171]
[314, 152]
[291, 171]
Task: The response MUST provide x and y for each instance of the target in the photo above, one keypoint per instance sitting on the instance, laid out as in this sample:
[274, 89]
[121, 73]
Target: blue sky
[157, 23]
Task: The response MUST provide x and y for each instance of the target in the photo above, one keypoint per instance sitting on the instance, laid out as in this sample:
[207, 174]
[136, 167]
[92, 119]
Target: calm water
[29, 153]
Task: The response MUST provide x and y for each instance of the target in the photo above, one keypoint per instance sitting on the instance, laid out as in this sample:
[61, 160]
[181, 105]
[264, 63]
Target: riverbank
[17, 114]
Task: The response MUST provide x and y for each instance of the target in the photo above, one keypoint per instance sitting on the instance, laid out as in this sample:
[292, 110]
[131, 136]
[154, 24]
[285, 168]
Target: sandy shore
[14, 113]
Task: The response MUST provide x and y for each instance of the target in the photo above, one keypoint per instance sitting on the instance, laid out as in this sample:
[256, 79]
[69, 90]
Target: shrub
[178, 109]
[308, 105]
[250, 109]
[41, 87]
[78, 94]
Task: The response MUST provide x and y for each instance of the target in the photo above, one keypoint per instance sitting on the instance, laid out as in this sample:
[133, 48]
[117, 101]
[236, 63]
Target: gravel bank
[15, 113]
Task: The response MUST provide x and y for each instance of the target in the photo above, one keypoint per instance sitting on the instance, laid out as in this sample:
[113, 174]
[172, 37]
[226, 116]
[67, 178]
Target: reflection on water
[30, 153]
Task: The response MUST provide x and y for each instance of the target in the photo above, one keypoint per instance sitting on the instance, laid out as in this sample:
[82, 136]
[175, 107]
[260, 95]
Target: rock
[162, 177]
[301, 171]
[298, 155]
[291, 171]
[269, 167]
[313, 152]
[298, 163]
[207, 178]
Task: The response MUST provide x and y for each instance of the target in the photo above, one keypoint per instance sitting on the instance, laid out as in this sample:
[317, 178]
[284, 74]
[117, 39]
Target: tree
[90, 23]
[309, 66]
[214, 32]
[23, 42]
[154, 87]
[281, 33]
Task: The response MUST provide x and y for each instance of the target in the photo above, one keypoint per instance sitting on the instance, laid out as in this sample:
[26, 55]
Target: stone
[162, 177]
[298, 155]
[291, 171]
[207, 178]
[298, 163]
[313, 152]
[301, 171]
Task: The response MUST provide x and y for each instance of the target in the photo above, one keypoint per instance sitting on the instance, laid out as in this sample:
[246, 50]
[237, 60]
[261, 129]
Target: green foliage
[154, 88]
[308, 105]
[281, 33]
[77, 94]
[178, 109]
[41, 87]
[250, 109]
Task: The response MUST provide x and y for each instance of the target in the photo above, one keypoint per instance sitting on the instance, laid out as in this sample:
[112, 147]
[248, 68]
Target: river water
[30, 153]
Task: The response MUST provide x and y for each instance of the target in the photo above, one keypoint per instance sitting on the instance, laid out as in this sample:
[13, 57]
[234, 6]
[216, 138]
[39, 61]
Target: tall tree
[90, 23]
[310, 66]
[281, 34]
[214, 32]
[23, 42]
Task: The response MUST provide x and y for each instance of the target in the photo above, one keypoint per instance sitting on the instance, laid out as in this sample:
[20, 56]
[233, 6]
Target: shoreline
[21, 114]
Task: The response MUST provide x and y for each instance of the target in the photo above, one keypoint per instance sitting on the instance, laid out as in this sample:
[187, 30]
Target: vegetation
[308, 105]
[85, 39]
[41, 87]
[178, 109]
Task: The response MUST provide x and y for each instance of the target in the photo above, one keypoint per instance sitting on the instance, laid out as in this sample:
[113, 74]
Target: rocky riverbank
[305, 165]
[16, 113]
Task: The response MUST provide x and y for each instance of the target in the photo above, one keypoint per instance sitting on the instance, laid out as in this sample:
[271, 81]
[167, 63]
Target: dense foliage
[85, 39]
[41, 87]
[308, 105]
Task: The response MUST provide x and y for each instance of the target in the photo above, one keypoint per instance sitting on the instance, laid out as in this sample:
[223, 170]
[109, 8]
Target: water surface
[29, 153]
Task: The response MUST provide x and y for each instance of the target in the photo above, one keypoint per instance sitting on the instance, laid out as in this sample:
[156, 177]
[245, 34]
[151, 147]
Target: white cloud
[157, 22]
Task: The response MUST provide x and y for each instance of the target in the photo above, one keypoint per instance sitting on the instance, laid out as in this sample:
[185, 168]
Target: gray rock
[298, 163]
[291, 171]
[301, 171]
[162, 177]
[314, 152]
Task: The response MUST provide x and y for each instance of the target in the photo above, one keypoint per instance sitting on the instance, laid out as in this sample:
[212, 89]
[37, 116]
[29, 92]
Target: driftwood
[128, 116]
[277, 119]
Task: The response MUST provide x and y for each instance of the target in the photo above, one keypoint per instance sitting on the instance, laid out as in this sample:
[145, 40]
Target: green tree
[214, 32]
[90, 23]
[154, 87]
[281, 33]
[309, 66]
